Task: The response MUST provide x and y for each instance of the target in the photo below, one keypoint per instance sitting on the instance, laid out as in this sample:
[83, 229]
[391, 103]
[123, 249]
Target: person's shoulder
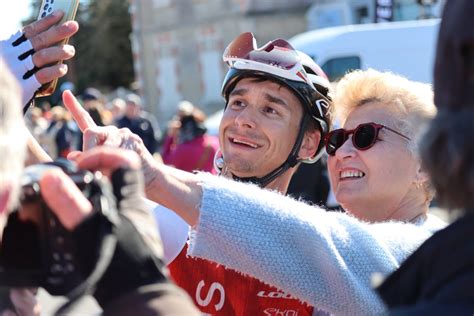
[121, 120]
[460, 228]
[147, 116]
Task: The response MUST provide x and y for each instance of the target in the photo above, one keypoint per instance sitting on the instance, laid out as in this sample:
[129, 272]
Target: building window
[362, 15]
[406, 11]
[335, 68]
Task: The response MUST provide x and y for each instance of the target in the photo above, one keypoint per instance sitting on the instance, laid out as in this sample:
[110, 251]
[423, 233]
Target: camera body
[36, 249]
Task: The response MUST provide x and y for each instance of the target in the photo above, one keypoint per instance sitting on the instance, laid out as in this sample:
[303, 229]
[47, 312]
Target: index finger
[81, 116]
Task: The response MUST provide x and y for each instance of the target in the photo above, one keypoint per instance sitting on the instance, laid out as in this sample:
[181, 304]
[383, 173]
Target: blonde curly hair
[411, 102]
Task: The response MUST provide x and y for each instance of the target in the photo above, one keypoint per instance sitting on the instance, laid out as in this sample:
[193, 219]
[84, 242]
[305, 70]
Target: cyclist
[276, 114]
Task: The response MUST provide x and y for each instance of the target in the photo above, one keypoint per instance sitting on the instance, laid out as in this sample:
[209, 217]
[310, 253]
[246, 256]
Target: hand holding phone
[69, 7]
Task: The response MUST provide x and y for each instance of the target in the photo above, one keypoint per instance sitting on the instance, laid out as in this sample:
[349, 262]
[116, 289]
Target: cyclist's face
[259, 127]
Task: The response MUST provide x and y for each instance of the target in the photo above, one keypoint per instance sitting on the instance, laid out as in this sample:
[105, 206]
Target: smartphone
[69, 7]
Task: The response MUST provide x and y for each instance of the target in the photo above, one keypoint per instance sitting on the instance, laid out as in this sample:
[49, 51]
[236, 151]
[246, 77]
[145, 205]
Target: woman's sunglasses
[364, 136]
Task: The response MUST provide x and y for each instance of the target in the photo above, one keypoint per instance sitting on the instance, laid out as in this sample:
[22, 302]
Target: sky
[10, 20]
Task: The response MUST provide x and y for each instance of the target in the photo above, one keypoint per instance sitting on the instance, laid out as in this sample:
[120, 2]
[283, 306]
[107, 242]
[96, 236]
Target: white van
[406, 48]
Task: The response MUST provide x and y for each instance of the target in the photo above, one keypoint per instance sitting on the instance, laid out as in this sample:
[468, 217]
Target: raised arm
[31, 53]
[324, 258]
[170, 187]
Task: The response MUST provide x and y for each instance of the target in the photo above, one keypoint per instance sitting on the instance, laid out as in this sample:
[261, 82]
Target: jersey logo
[266, 294]
[279, 312]
[215, 287]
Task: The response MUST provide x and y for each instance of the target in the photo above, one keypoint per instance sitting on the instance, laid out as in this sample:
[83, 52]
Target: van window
[335, 68]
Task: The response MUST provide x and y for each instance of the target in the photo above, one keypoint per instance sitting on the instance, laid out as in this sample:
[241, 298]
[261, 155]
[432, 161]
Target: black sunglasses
[365, 136]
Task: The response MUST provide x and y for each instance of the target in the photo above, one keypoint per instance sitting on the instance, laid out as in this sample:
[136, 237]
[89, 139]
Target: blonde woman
[373, 161]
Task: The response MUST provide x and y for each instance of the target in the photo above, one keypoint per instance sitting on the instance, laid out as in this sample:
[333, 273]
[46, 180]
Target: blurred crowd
[184, 144]
[58, 134]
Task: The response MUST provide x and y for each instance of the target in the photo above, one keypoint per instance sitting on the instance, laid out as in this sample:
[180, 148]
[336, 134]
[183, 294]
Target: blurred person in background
[116, 108]
[68, 136]
[62, 135]
[438, 279]
[48, 140]
[45, 107]
[35, 122]
[37, 125]
[187, 146]
[93, 102]
[140, 122]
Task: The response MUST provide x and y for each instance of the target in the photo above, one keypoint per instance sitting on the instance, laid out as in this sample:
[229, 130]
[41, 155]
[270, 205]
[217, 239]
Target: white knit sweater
[326, 259]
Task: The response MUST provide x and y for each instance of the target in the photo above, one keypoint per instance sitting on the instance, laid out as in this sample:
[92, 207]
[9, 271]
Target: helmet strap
[290, 162]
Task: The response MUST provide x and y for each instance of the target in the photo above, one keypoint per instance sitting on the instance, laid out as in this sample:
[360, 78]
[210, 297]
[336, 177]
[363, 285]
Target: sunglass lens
[241, 46]
[335, 140]
[278, 53]
[365, 136]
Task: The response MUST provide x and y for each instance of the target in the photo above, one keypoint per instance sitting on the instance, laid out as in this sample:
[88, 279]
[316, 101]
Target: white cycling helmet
[279, 61]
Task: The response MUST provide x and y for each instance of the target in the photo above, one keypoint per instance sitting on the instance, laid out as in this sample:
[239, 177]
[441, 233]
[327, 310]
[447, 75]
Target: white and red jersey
[214, 289]
[220, 291]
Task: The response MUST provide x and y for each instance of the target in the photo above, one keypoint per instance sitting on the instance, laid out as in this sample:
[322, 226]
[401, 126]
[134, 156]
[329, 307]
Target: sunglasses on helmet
[276, 57]
[364, 137]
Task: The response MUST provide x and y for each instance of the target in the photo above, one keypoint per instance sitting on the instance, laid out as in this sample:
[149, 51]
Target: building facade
[327, 13]
[178, 45]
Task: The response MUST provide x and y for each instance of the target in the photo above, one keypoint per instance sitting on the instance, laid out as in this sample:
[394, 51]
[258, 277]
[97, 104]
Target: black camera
[36, 249]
